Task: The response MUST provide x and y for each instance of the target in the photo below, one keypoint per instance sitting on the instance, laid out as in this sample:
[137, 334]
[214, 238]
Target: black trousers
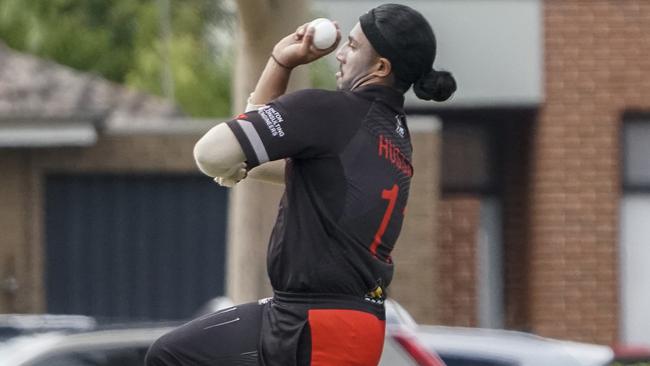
[286, 330]
[226, 337]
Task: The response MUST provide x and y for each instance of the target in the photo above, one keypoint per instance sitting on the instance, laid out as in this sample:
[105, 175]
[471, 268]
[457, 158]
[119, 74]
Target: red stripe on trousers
[342, 337]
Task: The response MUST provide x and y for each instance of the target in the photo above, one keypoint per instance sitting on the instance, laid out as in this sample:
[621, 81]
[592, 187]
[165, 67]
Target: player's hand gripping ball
[305, 44]
[324, 33]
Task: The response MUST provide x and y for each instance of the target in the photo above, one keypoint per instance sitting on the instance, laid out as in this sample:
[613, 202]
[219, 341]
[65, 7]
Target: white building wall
[494, 48]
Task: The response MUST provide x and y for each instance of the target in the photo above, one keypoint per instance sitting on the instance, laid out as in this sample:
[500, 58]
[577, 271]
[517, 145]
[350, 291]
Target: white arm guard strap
[250, 106]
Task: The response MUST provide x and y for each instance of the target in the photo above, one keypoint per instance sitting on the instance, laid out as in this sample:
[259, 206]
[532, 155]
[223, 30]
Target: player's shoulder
[322, 93]
[319, 99]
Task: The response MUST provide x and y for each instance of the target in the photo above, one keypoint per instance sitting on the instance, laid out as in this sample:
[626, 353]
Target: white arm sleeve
[218, 153]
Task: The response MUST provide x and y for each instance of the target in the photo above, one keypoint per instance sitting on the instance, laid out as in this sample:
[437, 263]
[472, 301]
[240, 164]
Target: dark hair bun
[435, 85]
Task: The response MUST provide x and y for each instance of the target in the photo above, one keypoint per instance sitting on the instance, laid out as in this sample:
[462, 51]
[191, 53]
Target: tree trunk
[253, 205]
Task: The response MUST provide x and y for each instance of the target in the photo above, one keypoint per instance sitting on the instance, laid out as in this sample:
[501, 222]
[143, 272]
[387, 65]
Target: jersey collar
[386, 94]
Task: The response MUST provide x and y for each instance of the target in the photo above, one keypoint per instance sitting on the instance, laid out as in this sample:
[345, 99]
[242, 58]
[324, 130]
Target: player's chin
[341, 84]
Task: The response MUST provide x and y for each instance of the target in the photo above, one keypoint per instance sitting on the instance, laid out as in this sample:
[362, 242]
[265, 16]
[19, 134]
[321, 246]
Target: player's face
[356, 60]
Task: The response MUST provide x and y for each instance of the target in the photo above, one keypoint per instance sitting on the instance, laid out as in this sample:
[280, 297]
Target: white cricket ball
[324, 33]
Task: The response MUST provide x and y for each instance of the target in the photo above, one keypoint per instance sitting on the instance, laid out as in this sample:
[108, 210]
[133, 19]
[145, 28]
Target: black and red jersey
[348, 172]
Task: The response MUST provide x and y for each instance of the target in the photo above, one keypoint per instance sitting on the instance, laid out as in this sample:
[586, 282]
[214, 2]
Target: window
[636, 154]
[635, 231]
[469, 159]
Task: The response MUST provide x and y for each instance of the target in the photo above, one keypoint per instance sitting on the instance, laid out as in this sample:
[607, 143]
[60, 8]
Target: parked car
[127, 345]
[458, 346]
[627, 355]
[402, 347]
[12, 325]
[114, 347]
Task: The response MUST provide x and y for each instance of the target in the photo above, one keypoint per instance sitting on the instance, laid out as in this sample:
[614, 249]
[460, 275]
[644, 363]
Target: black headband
[378, 42]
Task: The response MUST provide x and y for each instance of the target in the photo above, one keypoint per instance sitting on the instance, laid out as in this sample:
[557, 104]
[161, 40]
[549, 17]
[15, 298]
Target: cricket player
[344, 157]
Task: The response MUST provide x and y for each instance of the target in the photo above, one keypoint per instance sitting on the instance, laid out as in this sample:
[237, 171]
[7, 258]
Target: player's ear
[382, 67]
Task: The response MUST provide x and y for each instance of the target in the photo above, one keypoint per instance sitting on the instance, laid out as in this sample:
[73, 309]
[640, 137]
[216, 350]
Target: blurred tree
[122, 41]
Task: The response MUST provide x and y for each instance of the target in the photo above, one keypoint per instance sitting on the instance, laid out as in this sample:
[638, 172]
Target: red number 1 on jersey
[391, 196]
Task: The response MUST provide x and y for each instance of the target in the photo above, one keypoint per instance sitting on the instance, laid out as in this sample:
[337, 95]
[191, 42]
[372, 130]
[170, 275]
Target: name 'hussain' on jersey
[392, 153]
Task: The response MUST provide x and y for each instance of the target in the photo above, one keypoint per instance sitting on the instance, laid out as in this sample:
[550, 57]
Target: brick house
[574, 254]
[574, 190]
[581, 283]
[542, 222]
[94, 176]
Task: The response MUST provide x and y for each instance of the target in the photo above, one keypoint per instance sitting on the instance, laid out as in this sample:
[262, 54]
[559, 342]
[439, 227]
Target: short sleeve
[307, 124]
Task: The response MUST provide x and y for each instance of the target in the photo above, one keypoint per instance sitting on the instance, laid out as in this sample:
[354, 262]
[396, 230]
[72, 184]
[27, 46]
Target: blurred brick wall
[597, 60]
[458, 220]
[414, 283]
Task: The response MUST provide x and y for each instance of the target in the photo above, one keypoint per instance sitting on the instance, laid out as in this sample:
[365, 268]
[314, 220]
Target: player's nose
[340, 57]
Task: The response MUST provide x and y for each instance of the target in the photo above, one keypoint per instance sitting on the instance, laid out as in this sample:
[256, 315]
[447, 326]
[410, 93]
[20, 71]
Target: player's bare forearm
[293, 50]
[271, 84]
